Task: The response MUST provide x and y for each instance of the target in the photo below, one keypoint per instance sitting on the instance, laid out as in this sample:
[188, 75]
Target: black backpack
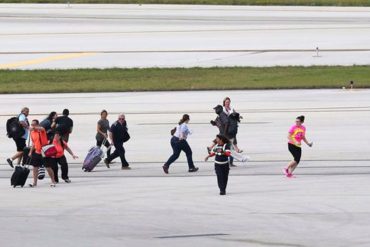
[14, 129]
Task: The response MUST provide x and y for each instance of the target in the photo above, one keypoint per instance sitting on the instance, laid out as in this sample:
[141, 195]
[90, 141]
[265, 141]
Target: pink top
[297, 133]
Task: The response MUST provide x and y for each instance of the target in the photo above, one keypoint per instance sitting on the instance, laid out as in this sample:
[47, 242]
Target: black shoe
[195, 169]
[68, 181]
[222, 193]
[165, 169]
[232, 165]
[10, 162]
[106, 162]
[125, 168]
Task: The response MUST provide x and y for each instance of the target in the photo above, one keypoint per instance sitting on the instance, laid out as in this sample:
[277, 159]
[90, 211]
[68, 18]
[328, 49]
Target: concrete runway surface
[325, 205]
[101, 36]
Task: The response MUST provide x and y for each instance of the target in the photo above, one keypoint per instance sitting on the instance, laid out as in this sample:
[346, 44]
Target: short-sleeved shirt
[104, 127]
[36, 139]
[297, 133]
[182, 131]
[60, 149]
[23, 118]
[64, 124]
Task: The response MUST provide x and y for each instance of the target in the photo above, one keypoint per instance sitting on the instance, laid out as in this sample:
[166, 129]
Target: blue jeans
[178, 146]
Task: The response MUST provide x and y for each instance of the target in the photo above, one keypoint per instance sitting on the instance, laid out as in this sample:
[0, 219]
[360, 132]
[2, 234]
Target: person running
[60, 158]
[119, 135]
[47, 124]
[64, 124]
[102, 133]
[297, 134]
[179, 143]
[20, 142]
[222, 153]
[39, 139]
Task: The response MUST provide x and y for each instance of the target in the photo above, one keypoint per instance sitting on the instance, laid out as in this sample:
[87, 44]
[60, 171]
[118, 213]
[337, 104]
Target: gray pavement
[326, 204]
[88, 36]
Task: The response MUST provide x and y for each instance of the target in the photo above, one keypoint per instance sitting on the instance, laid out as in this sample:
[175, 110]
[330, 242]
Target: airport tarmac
[101, 36]
[326, 204]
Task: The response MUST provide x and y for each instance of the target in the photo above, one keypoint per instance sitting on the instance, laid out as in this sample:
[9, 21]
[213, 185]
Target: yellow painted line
[44, 60]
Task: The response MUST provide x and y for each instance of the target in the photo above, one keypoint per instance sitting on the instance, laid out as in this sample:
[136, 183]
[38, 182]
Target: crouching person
[60, 158]
[39, 139]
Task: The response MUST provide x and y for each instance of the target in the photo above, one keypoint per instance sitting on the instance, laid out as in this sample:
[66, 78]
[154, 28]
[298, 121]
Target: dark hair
[301, 118]
[227, 98]
[36, 121]
[51, 115]
[223, 138]
[184, 118]
[103, 111]
[65, 112]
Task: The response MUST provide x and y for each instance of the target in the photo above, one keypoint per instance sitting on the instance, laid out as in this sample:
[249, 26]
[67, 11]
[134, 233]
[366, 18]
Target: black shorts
[37, 160]
[20, 143]
[296, 152]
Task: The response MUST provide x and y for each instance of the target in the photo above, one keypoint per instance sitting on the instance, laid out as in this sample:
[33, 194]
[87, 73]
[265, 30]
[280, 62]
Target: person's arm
[209, 156]
[308, 143]
[111, 135]
[71, 153]
[98, 128]
[22, 121]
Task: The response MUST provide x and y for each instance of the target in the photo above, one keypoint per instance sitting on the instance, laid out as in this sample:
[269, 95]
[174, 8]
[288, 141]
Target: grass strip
[173, 79]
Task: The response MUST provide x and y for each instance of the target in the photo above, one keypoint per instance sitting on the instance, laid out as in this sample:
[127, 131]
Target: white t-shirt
[23, 118]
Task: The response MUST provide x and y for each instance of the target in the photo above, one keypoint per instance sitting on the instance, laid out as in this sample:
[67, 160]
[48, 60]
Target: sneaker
[68, 181]
[126, 168]
[165, 169]
[195, 169]
[106, 162]
[53, 185]
[32, 185]
[289, 175]
[222, 193]
[10, 162]
[286, 171]
[232, 165]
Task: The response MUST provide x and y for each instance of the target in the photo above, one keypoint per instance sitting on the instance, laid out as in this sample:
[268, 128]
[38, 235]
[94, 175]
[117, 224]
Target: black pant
[178, 146]
[296, 152]
[119, 151]
[106, 144]
[62, 161]
[222, 172]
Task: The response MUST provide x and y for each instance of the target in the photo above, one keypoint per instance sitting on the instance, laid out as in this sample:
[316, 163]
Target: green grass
[155, 79]
[213, 2]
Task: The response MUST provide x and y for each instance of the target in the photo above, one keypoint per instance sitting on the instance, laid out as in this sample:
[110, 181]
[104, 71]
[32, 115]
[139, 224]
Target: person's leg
[218, 171]
[54, 166]
[225, 173]
[122, 152]
[296, 153]
[189, 153]
[175, 144]
[20, 144]
[64, 167]
[48, 163]
[36, 163]
[107, 145]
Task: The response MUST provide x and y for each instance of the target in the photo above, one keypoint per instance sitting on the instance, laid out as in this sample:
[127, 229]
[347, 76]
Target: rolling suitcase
[94, 156]
[19, 176]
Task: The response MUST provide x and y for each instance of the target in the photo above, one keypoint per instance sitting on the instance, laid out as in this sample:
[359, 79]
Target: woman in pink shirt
[297, 134]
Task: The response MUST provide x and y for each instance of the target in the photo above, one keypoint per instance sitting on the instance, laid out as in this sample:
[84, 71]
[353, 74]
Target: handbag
[48, 151]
